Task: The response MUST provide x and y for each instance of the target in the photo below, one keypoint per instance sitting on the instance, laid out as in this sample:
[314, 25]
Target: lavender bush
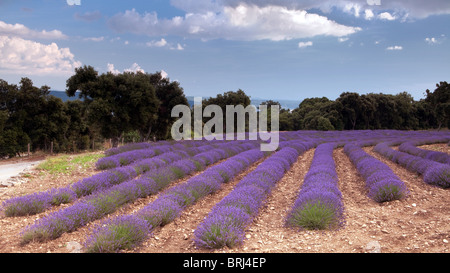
[410, 147]
[435, 173]
[382, 184]
[123, 232]
[319, 203]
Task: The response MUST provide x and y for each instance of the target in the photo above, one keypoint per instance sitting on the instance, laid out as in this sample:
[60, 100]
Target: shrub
[123, 232]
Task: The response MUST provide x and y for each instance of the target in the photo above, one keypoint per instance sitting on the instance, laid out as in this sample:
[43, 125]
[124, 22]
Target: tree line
[136, 106]
[352, 111]
[128, 106]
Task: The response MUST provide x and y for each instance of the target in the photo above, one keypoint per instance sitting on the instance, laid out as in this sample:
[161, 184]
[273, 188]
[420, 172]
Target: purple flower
[438, 175]
[55, 224]
[223, 228]
[27, 205]
[123, 232]
[316, 209]
[319, 203]
[160, 212]
[383, 185]
[387, 190]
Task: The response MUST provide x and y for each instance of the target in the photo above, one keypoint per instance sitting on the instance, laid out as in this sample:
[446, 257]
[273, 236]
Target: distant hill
[286, 104]
[62, 95]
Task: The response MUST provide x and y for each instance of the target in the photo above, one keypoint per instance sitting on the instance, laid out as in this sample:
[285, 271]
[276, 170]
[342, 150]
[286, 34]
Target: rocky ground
[418, 224]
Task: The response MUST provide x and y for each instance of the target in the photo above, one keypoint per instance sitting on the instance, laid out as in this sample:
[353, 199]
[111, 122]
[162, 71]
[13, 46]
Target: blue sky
[271, 49]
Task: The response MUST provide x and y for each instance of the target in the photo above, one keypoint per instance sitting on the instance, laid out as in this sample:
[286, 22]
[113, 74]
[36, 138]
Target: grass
[66, 164]
[313, 216]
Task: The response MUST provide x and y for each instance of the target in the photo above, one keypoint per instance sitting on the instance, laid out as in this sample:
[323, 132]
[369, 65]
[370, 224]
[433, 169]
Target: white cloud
[305, 44]
[386, 16]
[435, 41]
[160, 43]
[27, 57]
[395, 48]
[164, 43]
[179, 47]
[111, 69]
[352, 8]
[134, 68]
[19, 30]
[94, 39]
[368, 14]
[416, 9]
[164, 74]
[241, 22]
[343, 39]
[431, 41]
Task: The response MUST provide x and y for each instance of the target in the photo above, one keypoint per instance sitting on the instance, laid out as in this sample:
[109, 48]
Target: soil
[418, 224]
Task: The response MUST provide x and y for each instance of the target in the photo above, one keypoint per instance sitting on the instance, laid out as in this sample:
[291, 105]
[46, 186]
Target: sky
[285, 49]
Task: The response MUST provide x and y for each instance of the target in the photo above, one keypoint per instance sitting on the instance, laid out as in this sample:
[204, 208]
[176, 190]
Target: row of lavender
[434, 173]
[108, 200]
[41, 201]
[319, 203]
[411, 148]
[382, 184]
[127, 157]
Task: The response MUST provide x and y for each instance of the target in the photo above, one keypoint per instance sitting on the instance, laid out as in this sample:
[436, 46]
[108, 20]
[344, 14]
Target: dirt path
[7, 171]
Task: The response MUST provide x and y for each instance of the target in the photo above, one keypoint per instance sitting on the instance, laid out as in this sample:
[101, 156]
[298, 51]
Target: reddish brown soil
[418, 224]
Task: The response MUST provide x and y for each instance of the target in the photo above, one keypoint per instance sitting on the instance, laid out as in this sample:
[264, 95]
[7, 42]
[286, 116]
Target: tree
[351, 109]
[439, 104]
[116, 103]
[229, 98]
[29, 114]
[127, 102]
[169, 94]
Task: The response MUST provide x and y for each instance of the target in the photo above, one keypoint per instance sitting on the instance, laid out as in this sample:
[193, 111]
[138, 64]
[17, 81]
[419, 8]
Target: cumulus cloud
[112, 69]
[134, 69]
[386, 16]
[164, 43]
[27, 57]
[368, 14]
[431, 41]
[434, 40]
[159, 43]
[95, 39]
[411, 9]
[305, 44]
[19, 30]
[241, 22]
[164, 74]
[395, 48]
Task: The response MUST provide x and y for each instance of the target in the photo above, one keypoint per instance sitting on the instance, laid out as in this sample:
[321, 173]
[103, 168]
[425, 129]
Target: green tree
[122, 103]
[169, 94]
[439, 104]
[232, 98]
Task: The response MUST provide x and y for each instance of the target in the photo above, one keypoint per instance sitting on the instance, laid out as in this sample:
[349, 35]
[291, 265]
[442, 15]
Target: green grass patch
[66, 164]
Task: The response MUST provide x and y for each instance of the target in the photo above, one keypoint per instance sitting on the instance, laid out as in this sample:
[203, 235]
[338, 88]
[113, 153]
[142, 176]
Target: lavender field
[214, 195]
